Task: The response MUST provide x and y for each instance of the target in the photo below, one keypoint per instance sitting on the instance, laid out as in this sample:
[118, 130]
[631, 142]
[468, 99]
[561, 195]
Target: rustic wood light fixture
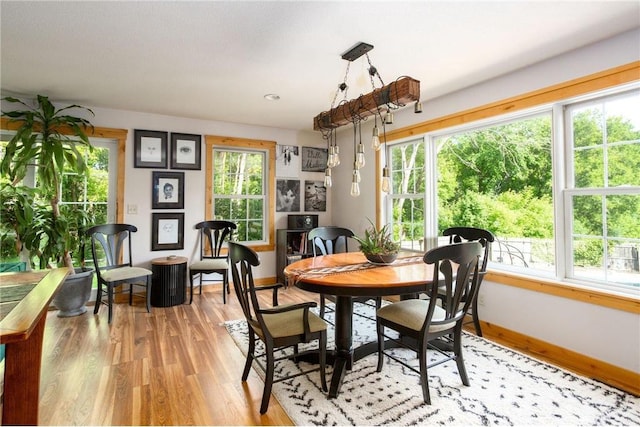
[397, 93]
[384, 98]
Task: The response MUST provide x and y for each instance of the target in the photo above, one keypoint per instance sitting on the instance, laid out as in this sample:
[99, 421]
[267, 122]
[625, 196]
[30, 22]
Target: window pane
[239, 191]
[624, 164]
[499, 178]
[408, 222]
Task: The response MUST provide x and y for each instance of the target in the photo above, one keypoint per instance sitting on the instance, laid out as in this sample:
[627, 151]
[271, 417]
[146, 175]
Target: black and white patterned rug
[507, 388]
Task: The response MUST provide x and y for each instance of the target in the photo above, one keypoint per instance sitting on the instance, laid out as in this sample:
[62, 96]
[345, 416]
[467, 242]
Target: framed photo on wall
[315, 196]
[168, 190]
[287, 195]
[287, 160]
[185, 151]
[150, 149]
[314, 159]
[167, 231]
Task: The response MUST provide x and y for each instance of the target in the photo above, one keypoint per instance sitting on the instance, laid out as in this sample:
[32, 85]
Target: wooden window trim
[606, 79]
[212, 141]
[120, 135]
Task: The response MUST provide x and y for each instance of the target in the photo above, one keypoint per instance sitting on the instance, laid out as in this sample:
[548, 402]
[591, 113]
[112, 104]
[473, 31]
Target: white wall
[602, 333]
[138, 180]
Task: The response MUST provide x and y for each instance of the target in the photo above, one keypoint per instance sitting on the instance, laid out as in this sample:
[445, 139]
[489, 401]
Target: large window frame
[268, 148]
[615, 80]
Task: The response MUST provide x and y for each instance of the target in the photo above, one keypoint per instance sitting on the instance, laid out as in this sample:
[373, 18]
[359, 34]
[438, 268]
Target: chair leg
[474, 315]
[149, 294]
[457, 351]
[191, 287]
[98, 303]
[110, 302]
[130, 293]
[424, 378]
[268, 381]
[250, 356]
[322, 305]
[380, 332]
[224, 288]
[323, 360]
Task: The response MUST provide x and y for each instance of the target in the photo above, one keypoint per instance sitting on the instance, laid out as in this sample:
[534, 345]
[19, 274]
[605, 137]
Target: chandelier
[379, 103]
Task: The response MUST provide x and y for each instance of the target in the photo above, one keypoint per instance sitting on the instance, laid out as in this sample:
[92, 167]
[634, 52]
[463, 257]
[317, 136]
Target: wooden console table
[22, 330]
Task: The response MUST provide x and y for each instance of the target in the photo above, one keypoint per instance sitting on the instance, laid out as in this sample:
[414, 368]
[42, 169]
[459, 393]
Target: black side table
[169, 278]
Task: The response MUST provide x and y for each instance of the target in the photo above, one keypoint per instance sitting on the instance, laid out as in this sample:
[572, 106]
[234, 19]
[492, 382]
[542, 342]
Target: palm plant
[47, 138]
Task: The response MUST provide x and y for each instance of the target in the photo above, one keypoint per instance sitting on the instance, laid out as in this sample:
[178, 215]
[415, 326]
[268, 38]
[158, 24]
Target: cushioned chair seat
[209, 264]
[289, 323]
[125, 273]
[412, 314]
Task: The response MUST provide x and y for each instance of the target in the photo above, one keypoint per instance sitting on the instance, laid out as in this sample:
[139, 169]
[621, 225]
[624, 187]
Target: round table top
[169, 260]
[351, 274]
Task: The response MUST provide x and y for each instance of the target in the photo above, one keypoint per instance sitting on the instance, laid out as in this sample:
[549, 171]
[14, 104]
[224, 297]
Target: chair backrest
[213, 234]
[242, 260]
[108, 242]
[329, 240]
[471, 234]
[458, 284]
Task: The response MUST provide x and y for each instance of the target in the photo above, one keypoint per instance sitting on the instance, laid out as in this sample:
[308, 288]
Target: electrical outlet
[132, 209]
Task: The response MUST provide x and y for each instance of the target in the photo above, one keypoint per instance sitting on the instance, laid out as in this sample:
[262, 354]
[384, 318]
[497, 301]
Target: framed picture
[315, 196]
[150, 149]
[168, 190]
[185, 151]
[287, 195]
[167, 231]
[314, 159]
[287, 160]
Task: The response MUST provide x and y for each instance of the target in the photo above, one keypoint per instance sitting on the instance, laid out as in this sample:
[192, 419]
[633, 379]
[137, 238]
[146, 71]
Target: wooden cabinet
[291, 245]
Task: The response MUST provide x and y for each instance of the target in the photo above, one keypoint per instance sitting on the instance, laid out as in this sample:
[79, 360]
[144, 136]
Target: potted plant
[47, 138]
[378, 245]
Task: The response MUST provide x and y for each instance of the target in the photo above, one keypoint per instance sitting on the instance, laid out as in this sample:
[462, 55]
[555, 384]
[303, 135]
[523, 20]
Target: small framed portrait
[315, 196]
[314, 159]
[185, 151]
[150, 149]
[168, 190]
[167, 231]
[288, 195]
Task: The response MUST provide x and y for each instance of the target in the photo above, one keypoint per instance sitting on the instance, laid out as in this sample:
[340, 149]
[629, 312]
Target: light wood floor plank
[173, 366]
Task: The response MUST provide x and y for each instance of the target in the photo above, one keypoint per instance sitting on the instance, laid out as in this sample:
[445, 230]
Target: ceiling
[216, 60]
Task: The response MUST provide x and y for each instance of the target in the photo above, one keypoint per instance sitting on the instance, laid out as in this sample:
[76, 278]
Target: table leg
[344, 351]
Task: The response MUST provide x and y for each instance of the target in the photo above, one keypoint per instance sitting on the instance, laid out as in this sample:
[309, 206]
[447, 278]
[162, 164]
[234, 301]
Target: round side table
[169, 278]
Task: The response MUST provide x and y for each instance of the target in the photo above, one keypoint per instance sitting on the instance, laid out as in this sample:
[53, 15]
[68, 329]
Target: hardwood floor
[174, 366]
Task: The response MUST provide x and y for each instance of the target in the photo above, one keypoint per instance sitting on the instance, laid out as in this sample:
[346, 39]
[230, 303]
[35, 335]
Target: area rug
[507, 388]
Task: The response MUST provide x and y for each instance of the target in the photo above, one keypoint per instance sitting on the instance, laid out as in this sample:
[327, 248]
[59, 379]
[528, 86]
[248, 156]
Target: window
[499, 175]
[241, 181]
[603, 189]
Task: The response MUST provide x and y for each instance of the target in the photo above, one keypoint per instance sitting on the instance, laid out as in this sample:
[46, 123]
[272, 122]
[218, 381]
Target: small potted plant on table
[378, 245]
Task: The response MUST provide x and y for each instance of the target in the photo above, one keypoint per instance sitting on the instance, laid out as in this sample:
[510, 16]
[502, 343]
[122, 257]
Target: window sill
[565, 290]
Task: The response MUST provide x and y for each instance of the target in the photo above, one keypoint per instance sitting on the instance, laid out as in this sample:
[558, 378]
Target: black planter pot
[72, 297]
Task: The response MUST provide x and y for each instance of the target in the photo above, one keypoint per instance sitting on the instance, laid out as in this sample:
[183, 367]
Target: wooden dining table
[348, 275]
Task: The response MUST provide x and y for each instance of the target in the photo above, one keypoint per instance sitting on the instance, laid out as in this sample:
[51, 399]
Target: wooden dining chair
[213, 235]
[277, 327]
[426, 320]
[485, 238]
[114, 264]
[331, 240]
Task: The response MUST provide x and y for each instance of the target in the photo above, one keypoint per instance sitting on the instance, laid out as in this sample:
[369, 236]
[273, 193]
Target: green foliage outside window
[239, 191]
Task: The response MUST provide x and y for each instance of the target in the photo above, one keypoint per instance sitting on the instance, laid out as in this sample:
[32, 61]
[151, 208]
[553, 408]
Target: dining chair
[212, 236]
[114, 264]
[426, 320]
[331, 240]
[485, 238]
[277, 327]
